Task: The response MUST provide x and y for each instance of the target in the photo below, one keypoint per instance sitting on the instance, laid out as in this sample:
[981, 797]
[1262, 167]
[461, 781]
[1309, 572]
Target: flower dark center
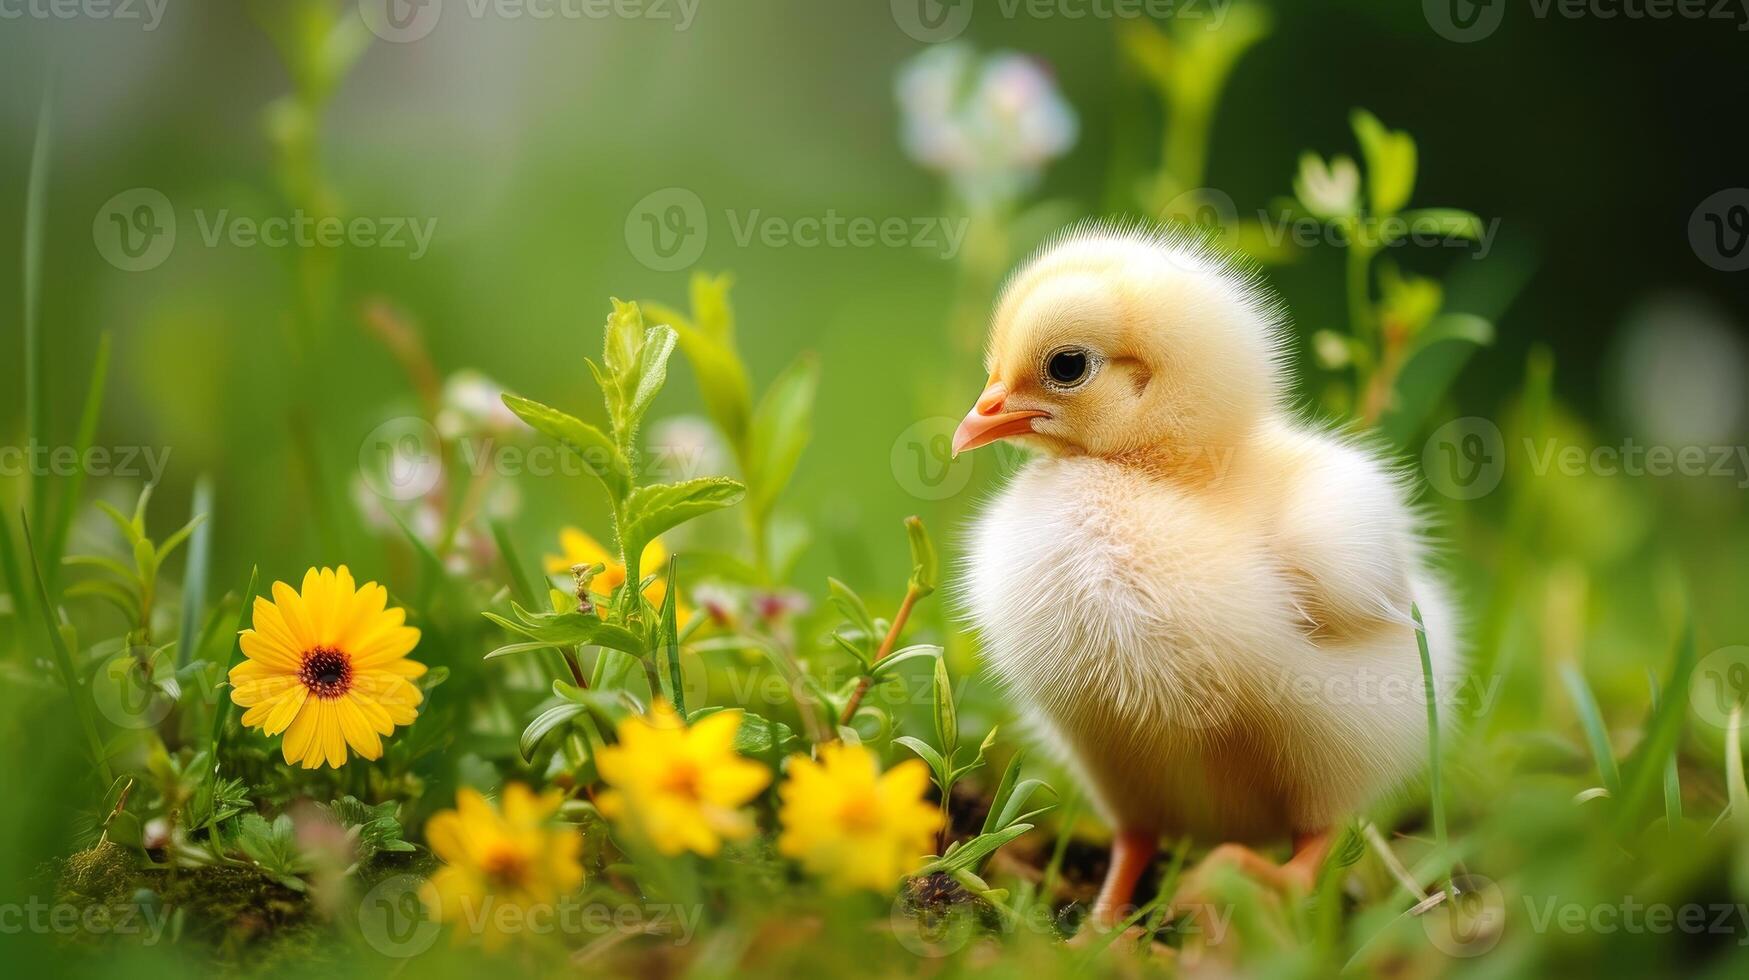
[505, 867]
[327, 673]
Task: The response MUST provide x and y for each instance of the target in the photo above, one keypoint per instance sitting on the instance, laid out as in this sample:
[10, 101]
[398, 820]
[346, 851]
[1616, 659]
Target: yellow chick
[1201, 600]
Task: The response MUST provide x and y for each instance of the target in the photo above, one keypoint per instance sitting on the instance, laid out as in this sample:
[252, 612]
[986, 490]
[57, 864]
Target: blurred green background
[531, 143]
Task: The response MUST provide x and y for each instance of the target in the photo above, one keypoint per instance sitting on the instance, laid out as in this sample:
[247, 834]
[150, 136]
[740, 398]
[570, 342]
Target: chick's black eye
[1067, 367]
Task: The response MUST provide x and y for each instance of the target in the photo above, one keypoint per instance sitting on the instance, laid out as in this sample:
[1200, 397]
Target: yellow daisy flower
[495, 858]
[581, 549]
[680, 788]
[847, 822]
[328, 667]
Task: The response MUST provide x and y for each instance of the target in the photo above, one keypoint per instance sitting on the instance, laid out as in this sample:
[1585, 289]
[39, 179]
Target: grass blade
[10, 567]
[1592, 721]
[222, 709]
[1655, 756]
[35, 208]
[520, 586]
[669, 640]
[83, 708]
[69, 502]
[1435, 782]
[200, 548]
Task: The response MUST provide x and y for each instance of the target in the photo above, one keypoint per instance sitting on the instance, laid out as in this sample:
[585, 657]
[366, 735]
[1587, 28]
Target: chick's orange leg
[1298, 874]
[1131, 852]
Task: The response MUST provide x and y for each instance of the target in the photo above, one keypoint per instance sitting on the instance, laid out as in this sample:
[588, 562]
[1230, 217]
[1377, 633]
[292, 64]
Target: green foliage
[273, 847]
[766, 438]
[373, 830]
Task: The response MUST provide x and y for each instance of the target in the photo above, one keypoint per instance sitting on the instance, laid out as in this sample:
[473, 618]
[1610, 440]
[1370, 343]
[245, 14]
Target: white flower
[1328, 191]
[990, 124]
[473, 403]
[686, 447]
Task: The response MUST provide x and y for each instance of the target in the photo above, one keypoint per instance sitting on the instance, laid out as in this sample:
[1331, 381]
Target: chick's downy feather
[1202, 602]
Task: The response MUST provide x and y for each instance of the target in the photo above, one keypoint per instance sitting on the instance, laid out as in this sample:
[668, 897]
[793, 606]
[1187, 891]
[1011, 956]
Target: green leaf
[599, 453]
[780, 431]
[924, 565]
[70, 488]
[1663, 729]
[1595, 731]
[970, 855]
[84, 709]
[1390, 163]
[892, 661]
[375, 829]
[655, 509]
[758, 736]
[947, 726]
[707, 339]
[927, 753]
[611, 706]
[652, 370]
[546, 723]
[195, 576]
[222, 710]
[668, 641]
[569, 629]
[1445, 222]
[1462, 327]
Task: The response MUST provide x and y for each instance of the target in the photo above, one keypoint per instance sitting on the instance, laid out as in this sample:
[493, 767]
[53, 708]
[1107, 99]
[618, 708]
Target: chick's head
[1128, 343]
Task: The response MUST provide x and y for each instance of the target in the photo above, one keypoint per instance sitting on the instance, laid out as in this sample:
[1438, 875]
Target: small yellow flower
[581, 549]
[847, 822]
[680, 788]
[328, 667]
[493, 860]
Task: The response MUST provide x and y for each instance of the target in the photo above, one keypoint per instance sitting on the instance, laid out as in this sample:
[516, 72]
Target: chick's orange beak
[987, 422]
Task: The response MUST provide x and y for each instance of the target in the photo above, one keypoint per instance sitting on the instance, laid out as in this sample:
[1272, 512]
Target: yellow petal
[357, 730]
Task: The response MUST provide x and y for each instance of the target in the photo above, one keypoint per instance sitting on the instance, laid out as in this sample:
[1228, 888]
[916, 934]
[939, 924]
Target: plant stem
[887, 644]
[1436, 789]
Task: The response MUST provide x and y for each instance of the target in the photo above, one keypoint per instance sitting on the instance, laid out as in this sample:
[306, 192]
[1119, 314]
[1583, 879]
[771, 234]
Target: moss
[106, 872]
